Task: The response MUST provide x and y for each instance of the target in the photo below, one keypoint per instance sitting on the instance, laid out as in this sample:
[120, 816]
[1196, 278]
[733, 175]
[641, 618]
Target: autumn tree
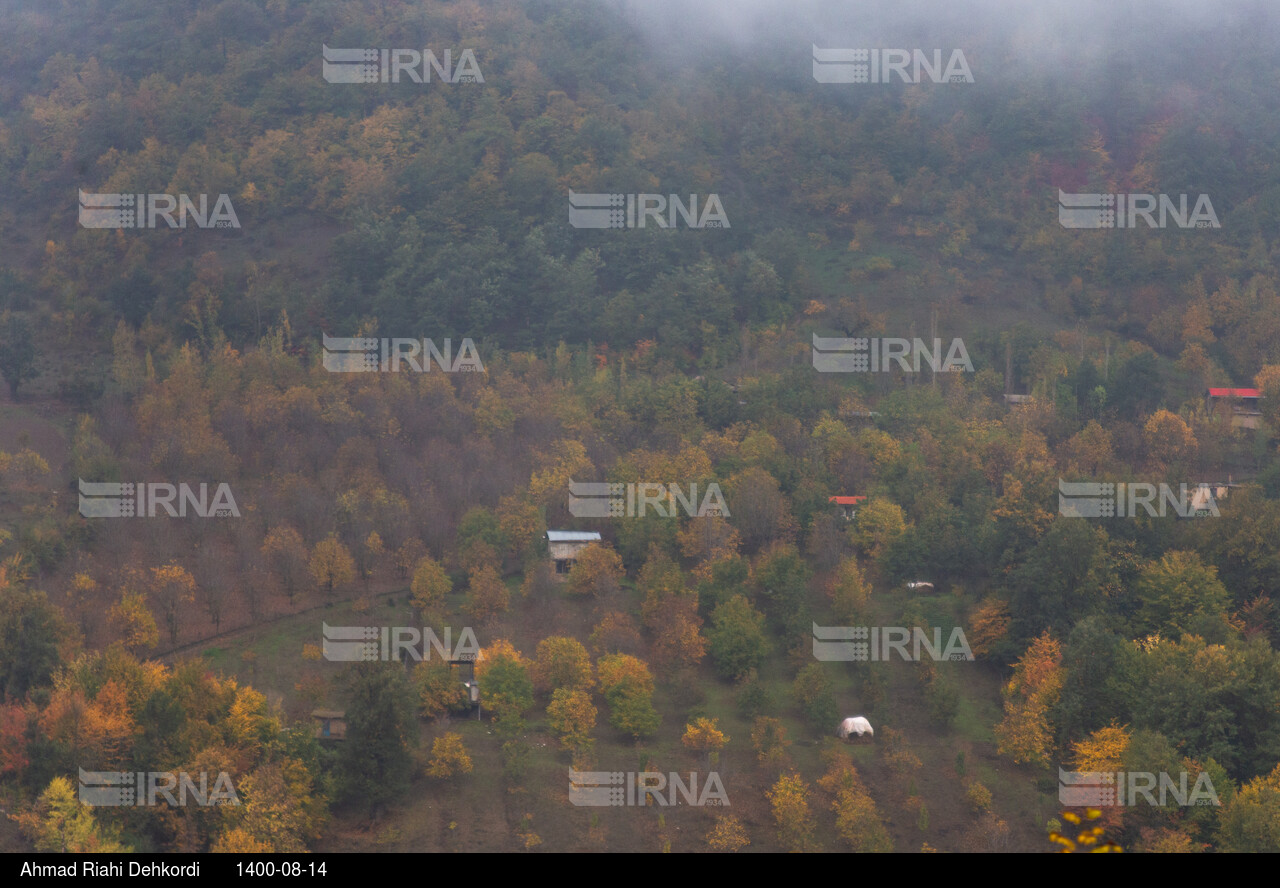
[728, 834]
[506, 689]
[331, 564]
[1103, 750]
[989, 625]
[708, 538]
[759, 508]
[281, 808]
[448, 757]
[1089, 451]
[439, 689]
[627, 685]
[521, 524]
[561, 662]
[1251, 821]
[858, 822]
[572, 715]
[878, 524]
[849, 592]
[171, 586]
[430, 586]
[596, 572]
[286, 557]
[789, 801]
[705, 734]
[407, 557]
[487, 596]
[59, 823]
[1169, 440]
[769, 740]
[616, 633]
[1025, 734]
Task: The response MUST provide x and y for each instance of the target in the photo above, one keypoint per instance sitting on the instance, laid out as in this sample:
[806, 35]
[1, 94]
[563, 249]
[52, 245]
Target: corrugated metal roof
[1234, 393]
[573, 536]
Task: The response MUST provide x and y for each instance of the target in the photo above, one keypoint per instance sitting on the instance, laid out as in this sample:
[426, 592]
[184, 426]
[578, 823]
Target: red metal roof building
[1240, 405]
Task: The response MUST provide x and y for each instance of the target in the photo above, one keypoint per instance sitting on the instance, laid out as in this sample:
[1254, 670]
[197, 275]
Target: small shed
[848, 505]
[1241, 405]
[565, 546]
[331, 724]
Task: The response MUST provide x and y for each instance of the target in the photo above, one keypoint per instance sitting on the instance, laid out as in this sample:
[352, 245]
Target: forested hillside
[672, 354]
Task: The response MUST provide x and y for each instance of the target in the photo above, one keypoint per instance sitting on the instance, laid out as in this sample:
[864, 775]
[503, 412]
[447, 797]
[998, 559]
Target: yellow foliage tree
[596, 572]
[487, 595]
[728, 834]
[572, 715]
[1103, 750]
[703, 733]
[988, 625]
[561, 662]
[134, 622]
[769, 739]
[448, 757]
[789, 801]
[429, 587]
[1025, 734]
[331, 564]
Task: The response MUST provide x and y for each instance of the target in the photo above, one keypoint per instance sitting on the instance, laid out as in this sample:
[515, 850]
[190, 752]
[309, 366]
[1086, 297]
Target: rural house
[565, 546]
[1240, 404]
[848, 505]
